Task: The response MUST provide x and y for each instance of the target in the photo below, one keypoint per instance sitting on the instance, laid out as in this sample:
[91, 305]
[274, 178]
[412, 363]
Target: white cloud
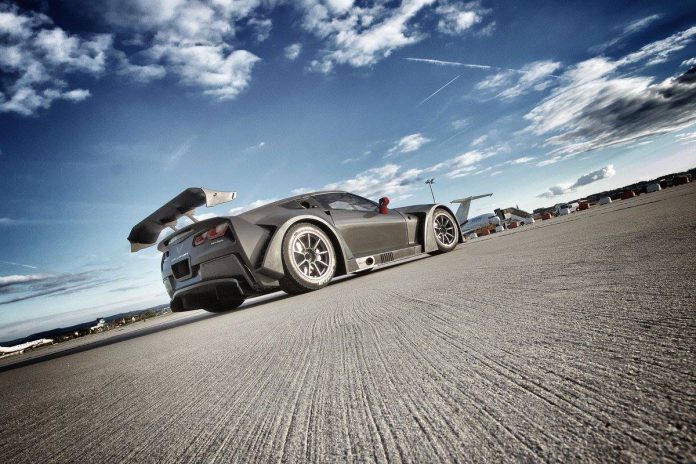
[252, 205]
[659, 51]
[392, 179]
[409, 144]
[458, 18]
[497, 80]
[256, 147]
[549, 161]
[76, 95]
[459, 124]
[25, 287]
[262, 27]
[628, 29]
[361, 35]
[595, 109]
[641, 23]
[594, 176]
[468, 158]
[293, 51]
[194, 40]
[6, 281]
[479, 140]
[137, 72]
[495, 173]
[204, 216]
[389, 179]
[460, 166]
[37, 57]
[690, 62]
[533, 76]
[182, 150]
[522, 160]
[686, 137]
[464, 164]
[556, 190]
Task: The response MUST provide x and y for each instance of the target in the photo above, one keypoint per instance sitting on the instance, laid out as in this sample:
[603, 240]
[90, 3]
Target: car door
[365, 230]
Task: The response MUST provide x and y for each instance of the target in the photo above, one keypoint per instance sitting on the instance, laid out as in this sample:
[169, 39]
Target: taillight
[211, 234]
[199, 239]
[218, 231]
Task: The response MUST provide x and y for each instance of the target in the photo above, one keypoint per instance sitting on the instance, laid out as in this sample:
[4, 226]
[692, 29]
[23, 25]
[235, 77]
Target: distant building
[100, 327]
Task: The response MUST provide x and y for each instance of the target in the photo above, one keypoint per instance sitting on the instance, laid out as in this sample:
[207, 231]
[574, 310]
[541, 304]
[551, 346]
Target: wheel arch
[272, 263]
[429, 242]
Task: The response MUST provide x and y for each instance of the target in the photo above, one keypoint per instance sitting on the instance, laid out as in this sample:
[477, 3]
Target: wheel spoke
[311, 255]
[444, 229]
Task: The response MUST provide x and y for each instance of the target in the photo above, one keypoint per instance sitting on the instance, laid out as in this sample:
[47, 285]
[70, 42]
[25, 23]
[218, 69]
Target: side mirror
[383, 203]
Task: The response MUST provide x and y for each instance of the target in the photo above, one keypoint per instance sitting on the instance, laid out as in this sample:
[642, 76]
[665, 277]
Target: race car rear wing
[146, 232]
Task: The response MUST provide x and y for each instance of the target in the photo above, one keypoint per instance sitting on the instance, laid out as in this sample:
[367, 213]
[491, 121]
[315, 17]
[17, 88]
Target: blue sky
[110, 108]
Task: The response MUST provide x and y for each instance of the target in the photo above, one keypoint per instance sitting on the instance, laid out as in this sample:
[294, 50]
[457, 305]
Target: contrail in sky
[466, 65]
[438, 91]
[18, 264]
[456, 63]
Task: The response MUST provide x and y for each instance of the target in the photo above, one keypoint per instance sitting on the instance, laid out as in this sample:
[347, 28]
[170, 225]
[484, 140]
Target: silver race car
[297, 244]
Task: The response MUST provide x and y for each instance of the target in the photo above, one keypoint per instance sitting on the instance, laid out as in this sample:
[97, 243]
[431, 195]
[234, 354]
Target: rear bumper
[211, 282]
[208, 294]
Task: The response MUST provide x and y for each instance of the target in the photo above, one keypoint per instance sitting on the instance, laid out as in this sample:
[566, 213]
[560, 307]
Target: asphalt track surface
[570, 340]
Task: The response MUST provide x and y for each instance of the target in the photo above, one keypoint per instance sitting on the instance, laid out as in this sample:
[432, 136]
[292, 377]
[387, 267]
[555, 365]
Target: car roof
[294, 197]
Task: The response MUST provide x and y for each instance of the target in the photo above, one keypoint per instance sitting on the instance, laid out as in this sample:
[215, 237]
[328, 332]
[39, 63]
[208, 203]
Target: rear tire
[445, 230]
[309, 259]
[226, 306]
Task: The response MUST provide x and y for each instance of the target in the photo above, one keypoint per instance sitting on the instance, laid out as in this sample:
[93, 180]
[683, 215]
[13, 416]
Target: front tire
[445, 230]
[309, 259]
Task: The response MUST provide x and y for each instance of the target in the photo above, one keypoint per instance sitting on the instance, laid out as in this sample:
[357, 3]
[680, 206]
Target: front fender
[429, 241]
[272, 264]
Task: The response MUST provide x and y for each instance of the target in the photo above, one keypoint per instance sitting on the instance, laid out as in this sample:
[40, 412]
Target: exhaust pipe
[365, 262]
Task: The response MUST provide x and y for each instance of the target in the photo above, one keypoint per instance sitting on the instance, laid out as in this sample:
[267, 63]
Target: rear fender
[272, 264]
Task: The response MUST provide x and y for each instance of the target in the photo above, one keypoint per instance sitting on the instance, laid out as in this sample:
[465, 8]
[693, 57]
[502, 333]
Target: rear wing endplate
[146, 232]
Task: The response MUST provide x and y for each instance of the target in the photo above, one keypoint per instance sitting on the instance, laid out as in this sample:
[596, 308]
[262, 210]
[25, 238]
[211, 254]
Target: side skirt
[368, 262]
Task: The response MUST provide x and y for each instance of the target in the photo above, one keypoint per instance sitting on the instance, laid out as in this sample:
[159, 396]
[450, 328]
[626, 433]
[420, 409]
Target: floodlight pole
[430, 183]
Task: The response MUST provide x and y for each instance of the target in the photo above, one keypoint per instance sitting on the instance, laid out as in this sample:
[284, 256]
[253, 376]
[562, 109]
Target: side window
[360, 203]
[334, 201]
[346, 201]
